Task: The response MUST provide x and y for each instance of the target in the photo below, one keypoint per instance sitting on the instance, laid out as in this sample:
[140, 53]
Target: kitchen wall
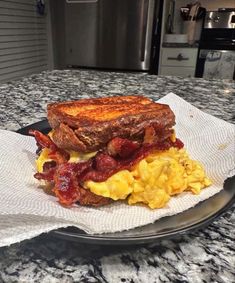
[213, 5]
[25, 41]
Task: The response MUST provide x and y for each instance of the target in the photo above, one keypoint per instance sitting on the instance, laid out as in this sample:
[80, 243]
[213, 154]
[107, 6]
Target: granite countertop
[207, 255]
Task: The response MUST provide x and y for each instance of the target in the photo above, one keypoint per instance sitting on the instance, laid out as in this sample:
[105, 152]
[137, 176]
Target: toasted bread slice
[87, 111]
[89, 124]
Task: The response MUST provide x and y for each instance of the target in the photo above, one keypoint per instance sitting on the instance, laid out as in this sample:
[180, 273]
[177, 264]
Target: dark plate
[197, 217]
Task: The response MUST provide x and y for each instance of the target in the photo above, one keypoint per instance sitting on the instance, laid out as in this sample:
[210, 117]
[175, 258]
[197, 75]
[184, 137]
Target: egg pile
[154, 179]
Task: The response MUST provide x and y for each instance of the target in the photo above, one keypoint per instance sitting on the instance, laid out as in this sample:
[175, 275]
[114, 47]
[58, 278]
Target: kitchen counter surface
[207, 255]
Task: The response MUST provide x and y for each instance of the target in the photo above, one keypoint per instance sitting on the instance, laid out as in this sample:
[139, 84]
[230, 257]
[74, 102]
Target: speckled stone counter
[207, 255]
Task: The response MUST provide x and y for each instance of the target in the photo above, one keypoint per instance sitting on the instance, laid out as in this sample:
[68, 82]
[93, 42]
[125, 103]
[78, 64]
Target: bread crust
[89, 124]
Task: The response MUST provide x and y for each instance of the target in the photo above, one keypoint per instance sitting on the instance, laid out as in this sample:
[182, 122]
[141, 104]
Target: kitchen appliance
[117, 34]
[216, 56]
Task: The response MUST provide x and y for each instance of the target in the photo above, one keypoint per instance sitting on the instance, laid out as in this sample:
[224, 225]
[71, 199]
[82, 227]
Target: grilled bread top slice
[89, 124]
[88, 111]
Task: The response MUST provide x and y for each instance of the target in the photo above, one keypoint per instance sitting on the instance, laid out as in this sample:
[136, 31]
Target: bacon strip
[68, 189]
[97, 175]
[47, 176]
[44, 141]
[149, 135]
[122, 147]
[68, 177]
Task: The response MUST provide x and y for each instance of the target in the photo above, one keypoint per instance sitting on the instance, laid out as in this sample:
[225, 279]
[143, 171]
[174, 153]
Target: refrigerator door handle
[147, 22]
[144, 29]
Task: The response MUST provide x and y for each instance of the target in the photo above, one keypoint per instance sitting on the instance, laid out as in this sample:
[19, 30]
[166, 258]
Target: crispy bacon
[149, 135]
[121, 164]
[44, 141]
[48, 165]
[47, 176]
[68, 189]
[60, 156]
[122, 147]
[120, 154]
[126, 163]
[104, 162]
[49, 169]
[156, 136]
[178, 144]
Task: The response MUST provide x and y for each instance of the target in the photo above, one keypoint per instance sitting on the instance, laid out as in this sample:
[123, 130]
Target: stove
[216, 56]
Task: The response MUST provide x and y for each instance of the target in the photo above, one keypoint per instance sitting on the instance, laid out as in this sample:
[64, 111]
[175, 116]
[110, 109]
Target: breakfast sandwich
[106, 149]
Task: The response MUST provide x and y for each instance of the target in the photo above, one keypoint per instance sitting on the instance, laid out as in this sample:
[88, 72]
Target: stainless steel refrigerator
[112, 34]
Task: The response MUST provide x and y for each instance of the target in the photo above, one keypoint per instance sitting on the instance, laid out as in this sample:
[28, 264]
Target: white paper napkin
[26, 211]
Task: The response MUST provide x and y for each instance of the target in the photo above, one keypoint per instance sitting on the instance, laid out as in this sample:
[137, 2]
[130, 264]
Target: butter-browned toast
[89, 124]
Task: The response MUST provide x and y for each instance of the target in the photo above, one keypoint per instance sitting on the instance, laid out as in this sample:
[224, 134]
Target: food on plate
[106, 149]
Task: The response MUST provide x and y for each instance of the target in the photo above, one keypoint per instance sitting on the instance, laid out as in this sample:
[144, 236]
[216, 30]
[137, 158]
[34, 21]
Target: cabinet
[178, 61]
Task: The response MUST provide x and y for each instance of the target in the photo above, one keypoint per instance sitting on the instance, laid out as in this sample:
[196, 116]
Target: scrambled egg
[152, 181]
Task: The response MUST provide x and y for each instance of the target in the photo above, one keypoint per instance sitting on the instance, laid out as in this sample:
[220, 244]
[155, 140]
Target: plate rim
[108, 240]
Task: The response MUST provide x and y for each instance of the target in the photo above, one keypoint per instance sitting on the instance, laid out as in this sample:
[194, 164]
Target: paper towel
[26, 211]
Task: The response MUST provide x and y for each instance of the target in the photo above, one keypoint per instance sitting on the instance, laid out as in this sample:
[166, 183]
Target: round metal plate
[197, 217]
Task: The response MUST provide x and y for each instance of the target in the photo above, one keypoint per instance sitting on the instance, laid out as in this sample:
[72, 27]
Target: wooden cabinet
[177, 71]
[178, 62]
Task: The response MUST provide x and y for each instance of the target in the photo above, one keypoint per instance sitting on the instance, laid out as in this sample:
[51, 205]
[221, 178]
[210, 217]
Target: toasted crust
[87, 111]
[89, 124]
